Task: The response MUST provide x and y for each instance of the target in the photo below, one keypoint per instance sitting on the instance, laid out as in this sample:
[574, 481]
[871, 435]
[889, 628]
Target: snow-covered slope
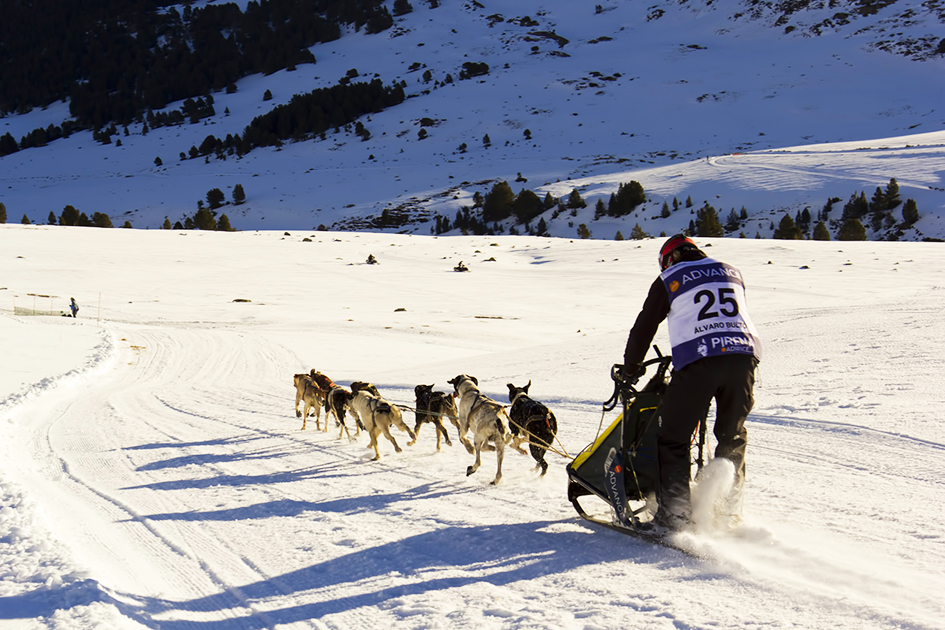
[599, 97]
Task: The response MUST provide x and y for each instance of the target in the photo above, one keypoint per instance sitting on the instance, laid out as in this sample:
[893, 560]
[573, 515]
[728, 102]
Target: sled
[620, 466]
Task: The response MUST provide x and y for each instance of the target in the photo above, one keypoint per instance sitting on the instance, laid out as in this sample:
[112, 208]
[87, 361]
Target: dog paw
[298, 414]
[411, 443]
[470, 470]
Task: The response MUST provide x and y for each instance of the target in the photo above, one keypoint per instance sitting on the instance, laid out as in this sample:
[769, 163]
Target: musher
[715, 351]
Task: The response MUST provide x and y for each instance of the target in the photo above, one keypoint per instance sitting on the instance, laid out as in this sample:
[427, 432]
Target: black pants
[730, 380]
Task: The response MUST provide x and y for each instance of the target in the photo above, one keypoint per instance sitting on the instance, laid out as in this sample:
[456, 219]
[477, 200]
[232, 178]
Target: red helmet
[676, 244]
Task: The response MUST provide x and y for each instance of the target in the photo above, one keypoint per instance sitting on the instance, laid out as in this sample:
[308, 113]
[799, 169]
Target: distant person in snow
[715, 351]
[73, 307]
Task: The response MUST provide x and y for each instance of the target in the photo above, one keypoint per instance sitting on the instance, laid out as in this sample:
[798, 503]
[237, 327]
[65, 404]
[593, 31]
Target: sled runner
[620, 466]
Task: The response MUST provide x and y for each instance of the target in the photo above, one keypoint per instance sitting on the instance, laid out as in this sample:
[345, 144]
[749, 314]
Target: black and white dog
[432, 407]
[358, 386]
[531, 421]
[337, 401]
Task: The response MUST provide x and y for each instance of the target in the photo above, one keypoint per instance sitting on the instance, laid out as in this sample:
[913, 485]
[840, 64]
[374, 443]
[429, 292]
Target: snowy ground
[153, 473]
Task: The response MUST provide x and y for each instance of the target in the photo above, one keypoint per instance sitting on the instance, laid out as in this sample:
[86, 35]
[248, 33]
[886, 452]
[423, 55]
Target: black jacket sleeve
[654, 311]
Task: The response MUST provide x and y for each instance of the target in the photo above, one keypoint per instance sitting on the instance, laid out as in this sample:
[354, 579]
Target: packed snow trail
[167, 472]
[91, 451]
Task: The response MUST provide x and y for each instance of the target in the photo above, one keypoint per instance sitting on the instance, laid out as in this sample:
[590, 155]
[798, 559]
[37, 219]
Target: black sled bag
[633, 436]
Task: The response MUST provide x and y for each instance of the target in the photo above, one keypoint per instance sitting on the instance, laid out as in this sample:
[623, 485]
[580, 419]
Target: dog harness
[544, 413]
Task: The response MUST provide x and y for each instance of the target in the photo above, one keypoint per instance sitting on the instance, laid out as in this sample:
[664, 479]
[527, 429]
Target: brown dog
[308, 392]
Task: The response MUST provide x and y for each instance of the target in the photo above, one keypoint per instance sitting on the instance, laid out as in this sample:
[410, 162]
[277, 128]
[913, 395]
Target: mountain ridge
[598, 92]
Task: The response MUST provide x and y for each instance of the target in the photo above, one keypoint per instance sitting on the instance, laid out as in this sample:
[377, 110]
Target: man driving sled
[715, 351]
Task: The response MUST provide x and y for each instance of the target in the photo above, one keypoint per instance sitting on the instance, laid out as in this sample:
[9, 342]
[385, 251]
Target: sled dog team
[527, 421]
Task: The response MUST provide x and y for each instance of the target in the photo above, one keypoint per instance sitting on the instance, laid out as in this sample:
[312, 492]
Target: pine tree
[69, 216]
[239, 195]
[167, 224]
[707, 222]
[223, 225]
[910, 212]
[527, 206]
[852, 230]
[575, 200]
[583, 231]
[203, 220]
[821, 233]
[100, 219]
[787, 230]
[25, 220]
[497, 204]
[637, 233]
[3, 213]
[618, 236]
[126, 225]
[627, 198]
[892, 194]
[878, 202]
[856, 208]
[402, 7]
[51, 219]
[215, 198]
[665, 211]
[8, 145]
[732, 223]
[600, 209]
[804, 222]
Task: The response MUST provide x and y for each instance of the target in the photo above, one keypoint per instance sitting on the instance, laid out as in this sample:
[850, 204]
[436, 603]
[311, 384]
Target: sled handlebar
[626, 384]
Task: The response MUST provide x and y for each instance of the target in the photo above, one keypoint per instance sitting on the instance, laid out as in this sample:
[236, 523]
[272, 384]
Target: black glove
[632, 372]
